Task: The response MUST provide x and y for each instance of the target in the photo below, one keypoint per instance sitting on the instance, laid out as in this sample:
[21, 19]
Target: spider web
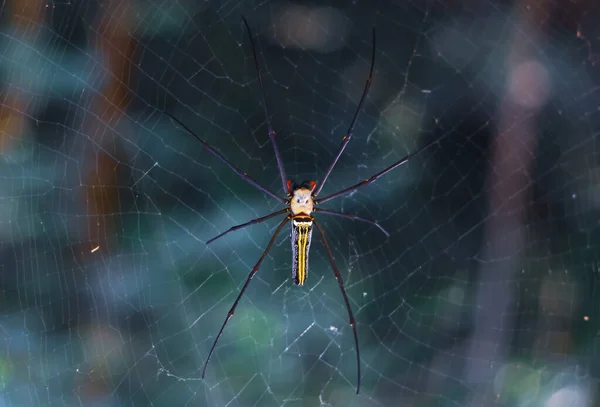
[484, 293]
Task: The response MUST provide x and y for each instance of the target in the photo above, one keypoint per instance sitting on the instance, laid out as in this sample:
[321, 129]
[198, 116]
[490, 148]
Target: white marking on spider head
[302, 201]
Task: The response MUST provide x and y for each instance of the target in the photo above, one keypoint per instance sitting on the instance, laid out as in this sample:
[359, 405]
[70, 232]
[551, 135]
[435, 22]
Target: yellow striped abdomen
[301, 237]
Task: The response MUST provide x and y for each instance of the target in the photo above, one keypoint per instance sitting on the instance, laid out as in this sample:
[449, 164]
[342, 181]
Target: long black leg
[338, 276]
[348, 135]
[220, 156]
[272, 133]
[237, 300]
[252, 222]
[376, 176]
[353, 217]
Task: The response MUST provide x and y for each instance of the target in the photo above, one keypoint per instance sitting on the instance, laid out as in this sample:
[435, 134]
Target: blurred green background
[484, 294]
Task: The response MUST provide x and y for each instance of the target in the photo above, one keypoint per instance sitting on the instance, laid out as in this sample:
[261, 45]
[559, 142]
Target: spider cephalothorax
[301, 197]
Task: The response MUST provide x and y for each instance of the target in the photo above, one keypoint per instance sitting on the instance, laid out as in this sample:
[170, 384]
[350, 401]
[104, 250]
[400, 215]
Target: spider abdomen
[302, 227]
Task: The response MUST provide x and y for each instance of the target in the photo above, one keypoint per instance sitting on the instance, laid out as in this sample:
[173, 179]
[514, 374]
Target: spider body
[300, 204]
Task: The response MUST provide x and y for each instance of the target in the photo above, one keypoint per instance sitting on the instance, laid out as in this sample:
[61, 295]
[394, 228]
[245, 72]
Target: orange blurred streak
[25, 14]
[101, 193]
[25, 19]
[116, 43]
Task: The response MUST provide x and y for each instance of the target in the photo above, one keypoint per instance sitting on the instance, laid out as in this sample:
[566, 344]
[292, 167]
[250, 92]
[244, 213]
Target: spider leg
[252, 222]
[374, 178]
[353, 217]
[237, 300]
[272, 133]
[220, 156]
[338, 276]
[348, 135]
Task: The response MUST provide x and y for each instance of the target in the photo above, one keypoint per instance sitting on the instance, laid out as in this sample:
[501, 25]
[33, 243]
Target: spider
[300, 202]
